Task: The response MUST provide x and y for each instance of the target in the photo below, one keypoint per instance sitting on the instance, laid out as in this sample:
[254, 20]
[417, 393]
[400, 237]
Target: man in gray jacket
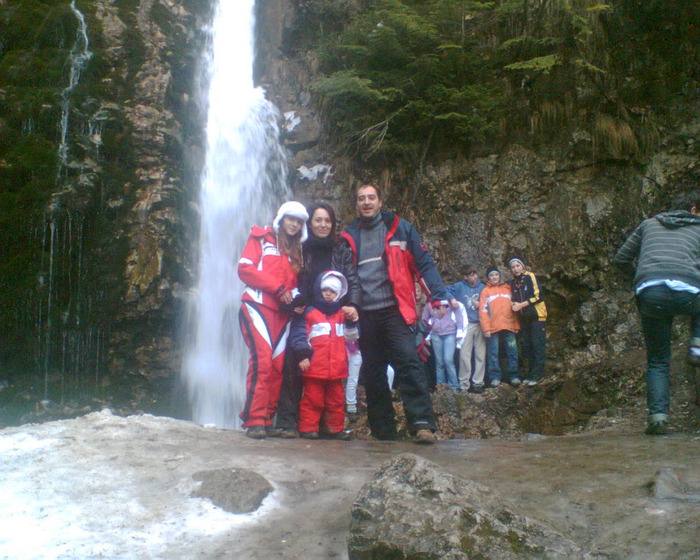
[664, 255]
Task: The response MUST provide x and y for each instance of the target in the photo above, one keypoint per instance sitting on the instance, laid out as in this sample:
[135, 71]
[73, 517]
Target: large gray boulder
[412, 509]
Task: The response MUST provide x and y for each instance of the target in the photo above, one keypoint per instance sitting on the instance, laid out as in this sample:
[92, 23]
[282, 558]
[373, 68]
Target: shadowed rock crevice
[568, 400]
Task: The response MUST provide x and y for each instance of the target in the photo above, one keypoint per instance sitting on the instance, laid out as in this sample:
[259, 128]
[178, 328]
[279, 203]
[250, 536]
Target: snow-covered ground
[104, 486]
[93, 492]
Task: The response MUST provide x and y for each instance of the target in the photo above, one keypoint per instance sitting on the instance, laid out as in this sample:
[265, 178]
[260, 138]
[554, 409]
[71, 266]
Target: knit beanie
[333, 280]
[491, 269]
[514, 260]
[293, 209]
[332, 283]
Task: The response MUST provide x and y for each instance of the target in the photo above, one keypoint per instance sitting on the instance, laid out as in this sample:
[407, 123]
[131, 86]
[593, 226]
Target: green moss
[468, 546]
[35, 23]
[412, 79]
[127, 8]
[134, 48]
[517, 545]
[30, 161]
[160, 15]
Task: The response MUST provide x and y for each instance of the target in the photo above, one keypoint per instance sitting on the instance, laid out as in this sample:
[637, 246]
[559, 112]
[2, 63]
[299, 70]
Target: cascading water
[67, 344]
[243, 182]
[79, 56]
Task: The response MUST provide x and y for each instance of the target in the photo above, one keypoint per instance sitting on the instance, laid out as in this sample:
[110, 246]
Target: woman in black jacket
[532, 313]
[323, 250]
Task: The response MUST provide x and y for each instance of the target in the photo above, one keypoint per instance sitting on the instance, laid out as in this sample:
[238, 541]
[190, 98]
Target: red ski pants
[265, 333]
[322, 397]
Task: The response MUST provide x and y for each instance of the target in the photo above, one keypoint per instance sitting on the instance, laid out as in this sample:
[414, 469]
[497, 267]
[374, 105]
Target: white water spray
[243, 183]
[79, 56]
[58, 342]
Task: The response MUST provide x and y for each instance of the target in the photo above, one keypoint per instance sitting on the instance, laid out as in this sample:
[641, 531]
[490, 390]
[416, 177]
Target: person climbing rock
[663, 254]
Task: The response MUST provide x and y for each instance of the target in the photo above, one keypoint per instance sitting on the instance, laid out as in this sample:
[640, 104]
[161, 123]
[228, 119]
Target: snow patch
[313, 173]
[77, 496]
[291, 121]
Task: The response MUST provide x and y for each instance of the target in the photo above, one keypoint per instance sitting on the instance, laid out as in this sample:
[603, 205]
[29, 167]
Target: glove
[351, 334]
[423, 351]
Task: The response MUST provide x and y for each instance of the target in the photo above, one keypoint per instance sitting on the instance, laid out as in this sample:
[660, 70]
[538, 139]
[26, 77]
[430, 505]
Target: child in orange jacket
[499, 324]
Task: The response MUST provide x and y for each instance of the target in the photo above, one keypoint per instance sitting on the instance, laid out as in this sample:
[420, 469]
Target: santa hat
[293, 209]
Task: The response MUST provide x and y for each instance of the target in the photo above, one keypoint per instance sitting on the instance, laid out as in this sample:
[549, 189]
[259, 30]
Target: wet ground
[594, 489]
[115, 481]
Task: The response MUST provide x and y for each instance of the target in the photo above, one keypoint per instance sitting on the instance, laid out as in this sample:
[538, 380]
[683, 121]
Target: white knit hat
[335, 281]
[331, 283]
[295, 210]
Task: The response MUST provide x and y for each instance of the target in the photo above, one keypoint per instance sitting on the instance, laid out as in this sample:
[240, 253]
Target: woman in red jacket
[269, 266]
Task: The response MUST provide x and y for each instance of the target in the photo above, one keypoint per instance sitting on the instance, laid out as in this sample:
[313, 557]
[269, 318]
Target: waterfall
[243, 183]
[79, 56]
[69, 341]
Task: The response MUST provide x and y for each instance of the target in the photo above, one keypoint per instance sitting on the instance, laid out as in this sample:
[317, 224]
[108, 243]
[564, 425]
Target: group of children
[325, 343]
[480, 321]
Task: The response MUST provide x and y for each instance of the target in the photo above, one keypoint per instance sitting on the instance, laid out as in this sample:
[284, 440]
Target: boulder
[234, 490]
[414, 509]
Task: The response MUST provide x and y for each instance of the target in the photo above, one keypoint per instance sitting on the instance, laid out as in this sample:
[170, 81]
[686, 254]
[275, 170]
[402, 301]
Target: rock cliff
[100, 241]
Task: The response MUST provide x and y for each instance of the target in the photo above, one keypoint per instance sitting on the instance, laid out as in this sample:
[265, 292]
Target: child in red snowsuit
[318, 338]
[268, 266]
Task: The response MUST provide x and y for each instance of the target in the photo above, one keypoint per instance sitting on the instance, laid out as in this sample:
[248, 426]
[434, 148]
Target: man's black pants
[385, 339]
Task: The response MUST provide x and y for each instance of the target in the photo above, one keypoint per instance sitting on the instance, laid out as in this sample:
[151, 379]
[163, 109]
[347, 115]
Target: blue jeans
[657, 306]
[444, 348]
[493, 343]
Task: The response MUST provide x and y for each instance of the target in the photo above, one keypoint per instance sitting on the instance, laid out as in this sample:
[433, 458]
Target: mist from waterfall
[243, 183]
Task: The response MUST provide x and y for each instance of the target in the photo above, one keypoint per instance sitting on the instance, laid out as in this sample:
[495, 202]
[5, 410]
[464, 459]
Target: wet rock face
[110, 236]
[234, 490]
[164, 121]
[414, 509]
[554, 205]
